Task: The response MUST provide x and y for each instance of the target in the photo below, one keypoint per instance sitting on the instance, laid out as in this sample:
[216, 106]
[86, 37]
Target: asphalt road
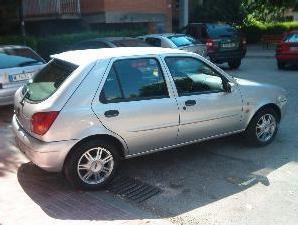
[216, 182]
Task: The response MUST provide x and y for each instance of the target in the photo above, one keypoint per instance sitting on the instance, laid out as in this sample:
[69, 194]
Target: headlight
[282, 99]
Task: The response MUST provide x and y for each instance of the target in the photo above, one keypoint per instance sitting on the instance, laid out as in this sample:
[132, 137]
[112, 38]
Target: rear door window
[18, 57]
[154, 41]
[130, 43]
[48, 80]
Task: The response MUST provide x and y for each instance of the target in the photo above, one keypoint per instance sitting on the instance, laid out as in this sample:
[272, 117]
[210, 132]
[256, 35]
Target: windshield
[182, 40]
[18, 57]
[48, 80]
[291, 38]
[218, 31]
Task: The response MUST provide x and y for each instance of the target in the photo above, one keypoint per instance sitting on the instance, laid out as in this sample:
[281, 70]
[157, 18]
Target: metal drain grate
[132, 189]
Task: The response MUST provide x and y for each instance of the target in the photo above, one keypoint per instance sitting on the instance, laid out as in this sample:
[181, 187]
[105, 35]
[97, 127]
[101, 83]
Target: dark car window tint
[154, 42]
[18, 57]
[48, 80]
[137, 79]
[218, 31]
[130, 43]
[291, 38]
[193, 76]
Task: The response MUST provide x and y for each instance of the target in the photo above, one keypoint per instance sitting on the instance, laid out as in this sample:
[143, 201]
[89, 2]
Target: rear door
[136, 103]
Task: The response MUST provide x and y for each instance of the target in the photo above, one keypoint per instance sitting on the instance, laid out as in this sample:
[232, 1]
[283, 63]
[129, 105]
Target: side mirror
[228, 87]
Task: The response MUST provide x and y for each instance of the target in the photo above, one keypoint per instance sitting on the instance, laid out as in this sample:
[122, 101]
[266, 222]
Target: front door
[206, 108]
[135, 103]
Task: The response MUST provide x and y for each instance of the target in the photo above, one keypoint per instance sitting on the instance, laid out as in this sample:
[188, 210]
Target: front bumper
[7, 95]
[49, 156]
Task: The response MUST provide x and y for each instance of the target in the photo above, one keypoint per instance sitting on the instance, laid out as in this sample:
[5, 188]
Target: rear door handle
[190, 102]
[111, 113]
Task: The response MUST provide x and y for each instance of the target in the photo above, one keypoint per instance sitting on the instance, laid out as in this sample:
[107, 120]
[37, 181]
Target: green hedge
[253, 30]
[59, 43]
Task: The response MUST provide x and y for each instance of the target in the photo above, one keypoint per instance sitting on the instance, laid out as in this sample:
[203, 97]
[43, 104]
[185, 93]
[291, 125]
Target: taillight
[42, 121]
[209, 45]
[244, 42]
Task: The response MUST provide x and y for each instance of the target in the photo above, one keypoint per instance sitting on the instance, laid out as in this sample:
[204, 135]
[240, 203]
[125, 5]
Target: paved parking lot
[217, 182]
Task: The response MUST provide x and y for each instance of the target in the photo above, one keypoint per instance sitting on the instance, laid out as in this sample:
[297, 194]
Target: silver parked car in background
[178, 41]
[88, 109]
[17, 65]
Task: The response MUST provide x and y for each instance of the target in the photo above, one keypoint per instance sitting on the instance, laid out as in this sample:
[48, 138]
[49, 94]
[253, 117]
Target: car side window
[193, 76]
[154, 42]
[134, 79]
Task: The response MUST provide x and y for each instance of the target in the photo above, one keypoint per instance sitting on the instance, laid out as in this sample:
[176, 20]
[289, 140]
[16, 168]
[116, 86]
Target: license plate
[229, 45]
[294, 48]
[20, 77]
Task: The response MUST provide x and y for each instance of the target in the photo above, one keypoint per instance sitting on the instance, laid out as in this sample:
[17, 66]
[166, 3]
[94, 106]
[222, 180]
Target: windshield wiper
[25, 94]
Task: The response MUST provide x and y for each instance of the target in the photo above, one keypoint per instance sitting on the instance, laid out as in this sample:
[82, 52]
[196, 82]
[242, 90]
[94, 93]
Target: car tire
[262, 128]
[234, 64]
[91, 165]
[281, 65]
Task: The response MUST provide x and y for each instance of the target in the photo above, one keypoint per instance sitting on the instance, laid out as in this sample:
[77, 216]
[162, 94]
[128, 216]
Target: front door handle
[111, 113]
[190, 102]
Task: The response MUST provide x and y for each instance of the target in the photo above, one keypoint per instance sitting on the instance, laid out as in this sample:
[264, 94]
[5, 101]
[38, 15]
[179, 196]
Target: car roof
[111, 39]
[12, 46]
[83, 57]
[164, 35]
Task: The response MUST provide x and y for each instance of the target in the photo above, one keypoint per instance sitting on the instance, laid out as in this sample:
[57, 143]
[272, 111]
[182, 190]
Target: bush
[59, 43]
[253, 30]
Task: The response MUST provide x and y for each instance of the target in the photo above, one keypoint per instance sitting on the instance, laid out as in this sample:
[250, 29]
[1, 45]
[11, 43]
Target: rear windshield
[131, 43]
[218, 31]
[48, 80]
[182, 40]
[18, 57]
[291, 38]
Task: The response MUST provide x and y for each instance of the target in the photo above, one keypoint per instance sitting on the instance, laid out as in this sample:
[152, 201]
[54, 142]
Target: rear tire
[281, 65]
[234, 64]
[262, 128]
[91, 165]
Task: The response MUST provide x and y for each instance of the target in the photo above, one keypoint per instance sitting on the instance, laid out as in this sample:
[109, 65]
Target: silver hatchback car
[88, 109]
[17, 65]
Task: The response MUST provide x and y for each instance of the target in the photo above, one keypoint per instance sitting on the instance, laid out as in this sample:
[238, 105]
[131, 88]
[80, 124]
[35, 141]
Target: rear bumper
[225, 56]
[49, 156]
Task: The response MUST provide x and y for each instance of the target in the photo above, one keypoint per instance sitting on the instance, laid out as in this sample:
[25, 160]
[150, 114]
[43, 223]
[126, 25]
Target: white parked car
[88, 109]
[17, 65]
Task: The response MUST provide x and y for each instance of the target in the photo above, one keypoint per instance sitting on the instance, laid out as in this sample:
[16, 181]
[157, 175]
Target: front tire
[262, 128]
[91, 165]
[234, 64]
[281, 65]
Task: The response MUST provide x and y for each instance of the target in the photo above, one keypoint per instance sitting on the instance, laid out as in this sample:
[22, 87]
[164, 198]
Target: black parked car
[223, 42]
[109, 42]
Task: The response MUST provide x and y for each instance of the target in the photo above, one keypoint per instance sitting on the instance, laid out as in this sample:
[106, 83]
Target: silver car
[88, 109]
[17, 65]
[178, 41]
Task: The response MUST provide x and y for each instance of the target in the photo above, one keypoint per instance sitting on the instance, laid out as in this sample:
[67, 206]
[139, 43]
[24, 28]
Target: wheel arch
[272, 106]
[119, 145]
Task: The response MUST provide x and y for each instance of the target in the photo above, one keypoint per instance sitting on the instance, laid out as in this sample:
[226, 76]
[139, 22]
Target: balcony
[51, 9]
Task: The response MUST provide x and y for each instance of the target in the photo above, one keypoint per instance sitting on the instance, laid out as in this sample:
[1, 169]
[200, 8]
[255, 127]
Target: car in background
[223, 42]
[287, 50]
[178, 41]
[109, 42]
[18, 64]
[99, 106]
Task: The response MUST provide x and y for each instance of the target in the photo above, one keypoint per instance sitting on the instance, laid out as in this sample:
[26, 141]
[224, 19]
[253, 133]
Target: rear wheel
[262, 128]
[234, 64]
[281, 65]
[91, 165]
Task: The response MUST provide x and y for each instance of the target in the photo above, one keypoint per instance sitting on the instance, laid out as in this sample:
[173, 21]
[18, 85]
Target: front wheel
[281, 65]
[234, 64]
[262, 128]
[91, 165]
